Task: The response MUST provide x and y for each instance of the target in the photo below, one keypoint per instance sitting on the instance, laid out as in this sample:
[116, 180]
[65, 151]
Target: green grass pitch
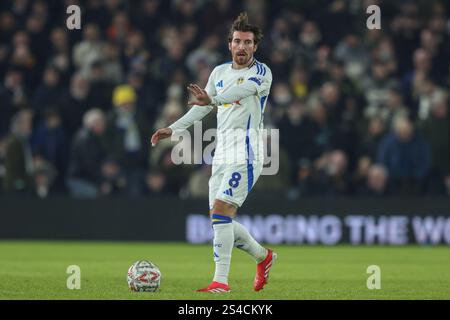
[37, 270]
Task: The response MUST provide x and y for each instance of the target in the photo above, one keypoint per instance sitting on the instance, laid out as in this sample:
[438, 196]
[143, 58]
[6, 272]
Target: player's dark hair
[241, 24]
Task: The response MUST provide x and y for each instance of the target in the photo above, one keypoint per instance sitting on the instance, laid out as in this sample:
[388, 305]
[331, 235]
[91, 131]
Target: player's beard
[242, 60]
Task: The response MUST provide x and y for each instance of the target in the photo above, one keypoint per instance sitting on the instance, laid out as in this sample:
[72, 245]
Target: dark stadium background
[363, 117]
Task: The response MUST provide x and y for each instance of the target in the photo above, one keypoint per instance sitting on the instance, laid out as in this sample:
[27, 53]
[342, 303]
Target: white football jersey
[240, 96]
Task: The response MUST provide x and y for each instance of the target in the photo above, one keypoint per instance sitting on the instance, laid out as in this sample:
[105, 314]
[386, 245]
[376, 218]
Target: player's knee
[223, 208]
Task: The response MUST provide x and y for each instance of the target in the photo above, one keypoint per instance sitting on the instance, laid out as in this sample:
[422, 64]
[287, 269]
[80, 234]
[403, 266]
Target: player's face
[242, 47]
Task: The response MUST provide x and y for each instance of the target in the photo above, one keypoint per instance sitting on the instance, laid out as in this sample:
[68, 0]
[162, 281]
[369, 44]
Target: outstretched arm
[196, 113]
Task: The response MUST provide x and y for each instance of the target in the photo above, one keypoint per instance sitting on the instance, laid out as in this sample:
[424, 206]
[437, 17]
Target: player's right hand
[160, 134]
[201, 96]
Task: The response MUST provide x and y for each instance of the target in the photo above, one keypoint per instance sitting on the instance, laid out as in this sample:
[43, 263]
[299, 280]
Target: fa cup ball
[144, 276]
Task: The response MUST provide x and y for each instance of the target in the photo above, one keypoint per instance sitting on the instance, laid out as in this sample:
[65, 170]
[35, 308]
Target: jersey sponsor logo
[255, 79]
[227, 105]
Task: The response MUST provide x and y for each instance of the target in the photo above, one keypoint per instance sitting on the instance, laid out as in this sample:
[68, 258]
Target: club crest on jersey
[240, 81]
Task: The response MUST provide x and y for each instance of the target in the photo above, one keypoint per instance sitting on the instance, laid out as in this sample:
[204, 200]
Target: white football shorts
[232, 183]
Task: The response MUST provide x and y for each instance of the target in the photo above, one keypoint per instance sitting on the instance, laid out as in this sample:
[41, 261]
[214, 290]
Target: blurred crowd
[360, 112]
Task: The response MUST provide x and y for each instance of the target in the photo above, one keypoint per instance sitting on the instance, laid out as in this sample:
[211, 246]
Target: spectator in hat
[127, 132]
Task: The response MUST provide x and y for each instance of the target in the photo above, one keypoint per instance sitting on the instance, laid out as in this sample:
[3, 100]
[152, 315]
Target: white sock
[244, 241]
[223, 246]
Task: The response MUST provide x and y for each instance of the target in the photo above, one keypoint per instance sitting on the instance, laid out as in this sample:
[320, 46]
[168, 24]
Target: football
[144, 276]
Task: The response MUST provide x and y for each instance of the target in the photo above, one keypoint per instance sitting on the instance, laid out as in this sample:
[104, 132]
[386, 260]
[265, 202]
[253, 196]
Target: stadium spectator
[89, 49]
[353, 53]
[44, 175]
[371, 138]
[394, 107]
[436, 129]
[18, 156]
[219, 10]
[170, 112]
[330, 174]
[120, 28]
[47, 94]
[184, 11]
[59, 56]
[112, 64]
[309, 41]
[155, 183]
[297, 131]
[299, 82]
[88, 154]
[377, 87]
[206, 55]
[12, 97]
[150, 19]
[49, 140]
[377, 182]
[360, 175]
[337, 75]
[75, 101]
[406, 156]
[198, 182]
[136, 54]
[8, 26]
[167, 64]
[100, 86]
[13, 90]
[149, 94]
[23, 59]
[321, 132]
[176, 177]
[126, 135]
[282, 95]
[39, 40]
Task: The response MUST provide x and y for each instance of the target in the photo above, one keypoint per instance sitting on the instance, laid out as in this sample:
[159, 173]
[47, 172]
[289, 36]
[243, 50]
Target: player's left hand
[160, 134]
[201, 96]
